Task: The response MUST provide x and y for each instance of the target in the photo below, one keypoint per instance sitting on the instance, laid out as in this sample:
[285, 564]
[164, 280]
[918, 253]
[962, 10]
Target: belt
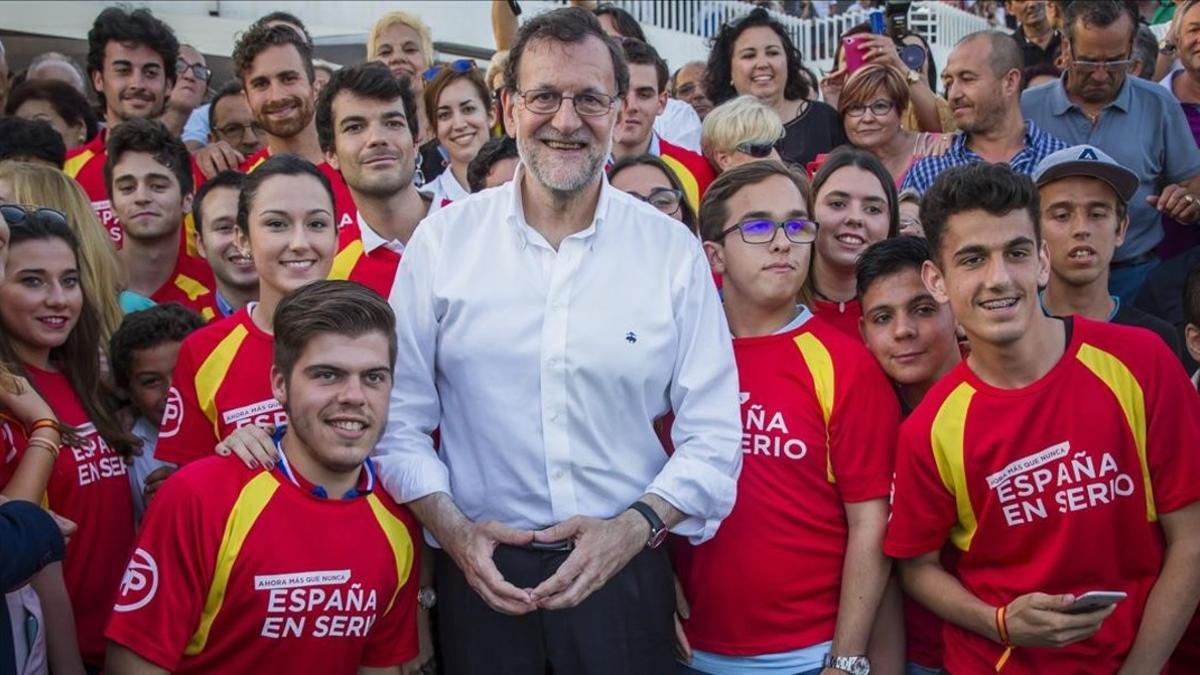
[544, 546]
[1141, 259]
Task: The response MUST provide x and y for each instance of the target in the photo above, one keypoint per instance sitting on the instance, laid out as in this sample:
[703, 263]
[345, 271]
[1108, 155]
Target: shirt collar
[1062, 103]
[366, 479]
[516, 211]
[372, 240]
[223, 305]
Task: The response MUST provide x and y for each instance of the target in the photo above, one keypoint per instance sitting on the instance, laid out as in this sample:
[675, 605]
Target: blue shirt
[1143, 128]
[1038, 144]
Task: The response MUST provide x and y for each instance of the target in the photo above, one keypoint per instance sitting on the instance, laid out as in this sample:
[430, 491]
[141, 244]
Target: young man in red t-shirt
[226, 576]
[1059, 458]
[794, 577]
[366, 120]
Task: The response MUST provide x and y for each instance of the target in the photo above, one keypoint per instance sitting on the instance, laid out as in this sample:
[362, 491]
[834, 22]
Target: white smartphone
[1094, 600]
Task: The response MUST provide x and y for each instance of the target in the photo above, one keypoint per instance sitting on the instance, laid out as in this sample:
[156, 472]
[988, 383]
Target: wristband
[1002, 632]
[43, 423]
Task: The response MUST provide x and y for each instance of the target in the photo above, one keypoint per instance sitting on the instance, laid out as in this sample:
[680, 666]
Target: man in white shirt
[545, 328]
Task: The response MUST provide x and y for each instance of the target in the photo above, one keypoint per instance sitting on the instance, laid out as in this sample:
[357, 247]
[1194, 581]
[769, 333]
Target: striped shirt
[1038, 144]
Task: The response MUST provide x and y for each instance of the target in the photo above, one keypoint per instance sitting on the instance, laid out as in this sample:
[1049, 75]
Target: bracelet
[1002, 632]
[48, 446]
[43, 423]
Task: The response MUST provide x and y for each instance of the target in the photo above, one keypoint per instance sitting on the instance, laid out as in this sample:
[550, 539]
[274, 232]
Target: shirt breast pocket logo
[631, 337]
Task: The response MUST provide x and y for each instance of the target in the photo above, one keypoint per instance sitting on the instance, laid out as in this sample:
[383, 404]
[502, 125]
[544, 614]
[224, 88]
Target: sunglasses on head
[459, 66]
[15, 215]
[756, 149]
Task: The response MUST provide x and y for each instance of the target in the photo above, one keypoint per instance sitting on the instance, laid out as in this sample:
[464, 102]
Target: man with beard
[366, 120]
[1137, 123]
[544, 327]
[983, 87]
[131, 61]
[274, 64]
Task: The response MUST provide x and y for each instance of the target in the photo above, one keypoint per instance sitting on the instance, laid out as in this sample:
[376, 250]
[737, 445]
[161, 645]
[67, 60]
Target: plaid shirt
[1038, 144]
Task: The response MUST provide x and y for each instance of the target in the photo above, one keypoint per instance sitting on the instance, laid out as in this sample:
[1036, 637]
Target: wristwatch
[658, 529]
[855, 665]
[1167, 47]
[912, 76]
[426, 597]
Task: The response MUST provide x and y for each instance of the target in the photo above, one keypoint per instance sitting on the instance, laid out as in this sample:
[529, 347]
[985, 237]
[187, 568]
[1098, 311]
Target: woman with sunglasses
[738, 131]
[50, 337]
[870, 107]
[460, 108]
[650, 180]
[855, 203]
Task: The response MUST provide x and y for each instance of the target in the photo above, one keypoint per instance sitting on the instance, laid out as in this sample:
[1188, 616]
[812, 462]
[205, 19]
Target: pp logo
[172, 417]
[139, 584]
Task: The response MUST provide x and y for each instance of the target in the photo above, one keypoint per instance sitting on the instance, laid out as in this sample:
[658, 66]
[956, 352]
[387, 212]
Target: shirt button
[553, 416]
[558, 474]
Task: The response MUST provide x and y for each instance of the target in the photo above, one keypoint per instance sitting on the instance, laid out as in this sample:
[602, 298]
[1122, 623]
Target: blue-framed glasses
[459, 66]
[762, 230]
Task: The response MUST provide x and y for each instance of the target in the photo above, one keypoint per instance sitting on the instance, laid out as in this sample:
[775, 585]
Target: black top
[1035, 55]
[1129, 315]
[1161, 295]
[816, 130]
[430, 162]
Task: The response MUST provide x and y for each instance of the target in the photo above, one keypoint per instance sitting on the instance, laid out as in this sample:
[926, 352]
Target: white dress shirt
[545, 370]
[444, 190]
[372, 240]
[679, 124]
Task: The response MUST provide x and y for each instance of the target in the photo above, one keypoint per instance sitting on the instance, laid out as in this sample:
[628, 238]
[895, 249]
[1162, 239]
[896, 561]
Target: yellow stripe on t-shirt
[820, 365]
[345, 260]
[691, 188]
[211, 374]
[74, 165]
[947, 436]
[246, 510]
[189, 236]
[190, 286]
[1125, 387]
[397, 536]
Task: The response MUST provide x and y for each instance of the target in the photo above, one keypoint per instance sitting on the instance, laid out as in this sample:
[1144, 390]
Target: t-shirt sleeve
[393, 639]
[163, 591]
[1172, 431]
[862, 434]
[186, 434]
[12, 442]
[923, 509]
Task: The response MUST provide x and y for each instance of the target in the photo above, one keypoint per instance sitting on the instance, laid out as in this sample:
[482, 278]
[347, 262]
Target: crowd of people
[584, 363]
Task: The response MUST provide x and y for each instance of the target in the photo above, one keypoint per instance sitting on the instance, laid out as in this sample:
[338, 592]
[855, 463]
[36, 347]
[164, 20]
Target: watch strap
[657, 526]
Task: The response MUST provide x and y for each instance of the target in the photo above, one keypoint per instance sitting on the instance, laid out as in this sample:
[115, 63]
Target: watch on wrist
[426, 597]
[912, 76]
[855, 665]
[1166, 46]
[658, 529]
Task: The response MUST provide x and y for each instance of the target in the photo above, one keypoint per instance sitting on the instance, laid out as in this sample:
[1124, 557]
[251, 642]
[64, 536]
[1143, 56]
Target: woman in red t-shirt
[51, 337]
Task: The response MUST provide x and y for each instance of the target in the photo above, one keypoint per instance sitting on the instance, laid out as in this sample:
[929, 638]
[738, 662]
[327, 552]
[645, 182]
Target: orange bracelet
[44, 423]
[1002, 632]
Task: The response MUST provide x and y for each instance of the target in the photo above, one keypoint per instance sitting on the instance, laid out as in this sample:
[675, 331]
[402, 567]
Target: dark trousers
[625, 627]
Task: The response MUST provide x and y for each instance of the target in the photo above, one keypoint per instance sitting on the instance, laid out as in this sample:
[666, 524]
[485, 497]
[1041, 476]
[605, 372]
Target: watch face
[657, 538]
[860, 667]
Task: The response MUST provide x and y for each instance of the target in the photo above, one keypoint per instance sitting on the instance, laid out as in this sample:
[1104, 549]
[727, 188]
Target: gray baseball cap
[1088, 161]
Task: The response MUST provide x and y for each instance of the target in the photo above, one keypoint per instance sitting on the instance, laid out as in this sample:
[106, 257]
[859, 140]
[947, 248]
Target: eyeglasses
[1093, 66]
[14, 215]
[547, 102]
[236, 130]
[664, 199]
[459, 66]
[199, 70]
[910, 224]
[762, 231]
[878, 109]
[756, 149]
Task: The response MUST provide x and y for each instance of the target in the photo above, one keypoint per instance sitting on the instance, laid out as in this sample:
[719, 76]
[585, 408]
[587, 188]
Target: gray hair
[48, 57]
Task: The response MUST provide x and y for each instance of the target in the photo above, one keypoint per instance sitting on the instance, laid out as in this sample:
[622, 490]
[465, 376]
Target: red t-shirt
[89, 486]
[820, 424]
[1055, 487]
[241, 571]
[692, 170]
[375, 270]
[343, 202]
[192, 285]
[222, 381]
[843, 316]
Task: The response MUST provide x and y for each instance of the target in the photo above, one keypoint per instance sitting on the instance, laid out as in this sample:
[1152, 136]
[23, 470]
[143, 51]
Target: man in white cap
[1084, 209]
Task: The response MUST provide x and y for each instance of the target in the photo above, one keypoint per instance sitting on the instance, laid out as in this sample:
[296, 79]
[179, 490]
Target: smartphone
[852, 52]
[1094, 600]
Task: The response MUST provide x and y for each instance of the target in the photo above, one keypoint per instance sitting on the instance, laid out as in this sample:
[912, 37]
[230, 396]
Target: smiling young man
[215, 215]
[246, 586]
[131, 62]
[365, 121]
[148, 171]
[1056, 460]
[635, 134]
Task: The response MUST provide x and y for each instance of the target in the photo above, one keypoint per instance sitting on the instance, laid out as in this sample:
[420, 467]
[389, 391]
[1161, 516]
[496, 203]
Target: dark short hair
[139, 26]
[285, 17]
[262, 37]
[888, 257]
[642, 54]
[714, 209]
[23, 139]
[848, 155]
[285, 164]
[1191, 297]
[718, 77]
[992, 188]
[1038, 70]
[626, 24]
[230, 88]
[495, 150]
[66, 100]
[153, 138]
[226, 179]
[370, 80]
[689, 215]
[1098, 14]
[147, 329]
[339, 307]
[569, 25]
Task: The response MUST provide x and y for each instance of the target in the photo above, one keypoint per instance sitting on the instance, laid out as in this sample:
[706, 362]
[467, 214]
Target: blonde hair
[495, 70]
[401, 19]
[103, 278]
[740, 120]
